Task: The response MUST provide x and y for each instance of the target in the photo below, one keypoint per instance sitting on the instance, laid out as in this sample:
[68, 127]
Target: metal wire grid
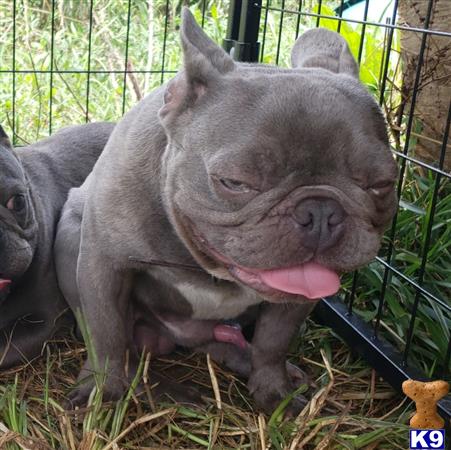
[403, 156]
[52, 71]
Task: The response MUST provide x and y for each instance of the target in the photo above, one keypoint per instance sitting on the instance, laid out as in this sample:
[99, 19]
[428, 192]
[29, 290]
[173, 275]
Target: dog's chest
[216, 301]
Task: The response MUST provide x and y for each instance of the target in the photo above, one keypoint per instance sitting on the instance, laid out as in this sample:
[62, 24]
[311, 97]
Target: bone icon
[426, 396]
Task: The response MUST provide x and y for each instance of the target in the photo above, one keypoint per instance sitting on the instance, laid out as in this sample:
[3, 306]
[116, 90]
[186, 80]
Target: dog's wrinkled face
[278, 179]
[18, 227]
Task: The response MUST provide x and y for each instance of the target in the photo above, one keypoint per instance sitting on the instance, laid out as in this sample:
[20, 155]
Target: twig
[326, 440]
[404, 400]
[262, 430]
[134, 81]
[137, 422]
[158, 262]
[214, 383]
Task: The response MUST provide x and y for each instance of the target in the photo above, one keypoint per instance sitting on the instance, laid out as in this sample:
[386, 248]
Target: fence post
[242, 31]
[233, 25]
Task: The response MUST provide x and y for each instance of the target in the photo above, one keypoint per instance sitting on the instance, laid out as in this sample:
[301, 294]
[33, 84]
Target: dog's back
[66, 158]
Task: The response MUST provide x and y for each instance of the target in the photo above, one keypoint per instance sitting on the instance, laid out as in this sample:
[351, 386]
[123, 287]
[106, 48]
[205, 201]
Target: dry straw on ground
[350, 407]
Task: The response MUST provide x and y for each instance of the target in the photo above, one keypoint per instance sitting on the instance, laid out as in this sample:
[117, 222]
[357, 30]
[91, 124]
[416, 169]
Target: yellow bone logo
[426, 396]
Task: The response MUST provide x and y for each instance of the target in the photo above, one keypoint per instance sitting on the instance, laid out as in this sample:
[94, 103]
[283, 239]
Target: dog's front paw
[79, 396]
[112, 389]
[269, 386]
[167, 390]
[297, 376]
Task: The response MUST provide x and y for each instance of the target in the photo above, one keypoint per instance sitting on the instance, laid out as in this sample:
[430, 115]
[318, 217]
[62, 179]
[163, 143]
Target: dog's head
[277, 179]
[18, 228]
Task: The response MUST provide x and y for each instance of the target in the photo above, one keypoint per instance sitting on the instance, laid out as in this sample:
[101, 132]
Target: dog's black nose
[321, 222]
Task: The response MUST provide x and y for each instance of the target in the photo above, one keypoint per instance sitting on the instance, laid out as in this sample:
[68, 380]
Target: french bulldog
[248, 189]
[34, 184]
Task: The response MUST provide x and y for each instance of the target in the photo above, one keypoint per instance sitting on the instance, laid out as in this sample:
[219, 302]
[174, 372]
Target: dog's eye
[16, 203]
[382, 188]
[234, 185]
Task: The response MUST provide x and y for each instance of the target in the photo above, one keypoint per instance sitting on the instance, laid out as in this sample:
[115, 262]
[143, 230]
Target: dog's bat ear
[324, 49]
[201, 56]
[4, 140]
[204, 62]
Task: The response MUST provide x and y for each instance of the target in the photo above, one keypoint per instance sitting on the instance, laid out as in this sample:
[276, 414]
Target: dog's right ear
[324, 49]
[204, 62]
[4, 140]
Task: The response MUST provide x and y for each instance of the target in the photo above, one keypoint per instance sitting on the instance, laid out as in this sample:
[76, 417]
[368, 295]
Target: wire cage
[72, 61]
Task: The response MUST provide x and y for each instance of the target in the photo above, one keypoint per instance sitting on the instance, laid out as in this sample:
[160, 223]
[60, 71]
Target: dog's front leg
[269, 381]
[104, 298]
[28, 319]
[25, 339]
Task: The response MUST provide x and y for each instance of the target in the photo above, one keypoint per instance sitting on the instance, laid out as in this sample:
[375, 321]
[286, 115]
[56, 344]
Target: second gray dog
[272, 182]
[34, 183]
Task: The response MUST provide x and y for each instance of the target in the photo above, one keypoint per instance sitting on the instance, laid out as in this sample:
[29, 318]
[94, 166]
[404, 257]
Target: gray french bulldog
[34, 184]
[270, 181]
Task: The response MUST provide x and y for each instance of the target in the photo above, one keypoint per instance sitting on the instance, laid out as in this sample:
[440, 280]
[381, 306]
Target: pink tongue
[4, 284]
[310, 280]
[230, 334]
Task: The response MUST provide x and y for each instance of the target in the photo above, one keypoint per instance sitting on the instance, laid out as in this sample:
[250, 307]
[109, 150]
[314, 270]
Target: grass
[349, 409]
[350, 406]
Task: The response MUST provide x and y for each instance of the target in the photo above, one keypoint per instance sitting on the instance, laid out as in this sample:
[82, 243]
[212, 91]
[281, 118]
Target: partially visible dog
[34, 183]
[273, 181]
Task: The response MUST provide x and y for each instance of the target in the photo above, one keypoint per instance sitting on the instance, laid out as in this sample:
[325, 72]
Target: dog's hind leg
[67, 247]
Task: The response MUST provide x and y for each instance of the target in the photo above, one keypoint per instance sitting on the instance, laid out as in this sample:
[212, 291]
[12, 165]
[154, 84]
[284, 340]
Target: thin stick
[214, 383]
[261, 430]
[137, 422]
[158, 262]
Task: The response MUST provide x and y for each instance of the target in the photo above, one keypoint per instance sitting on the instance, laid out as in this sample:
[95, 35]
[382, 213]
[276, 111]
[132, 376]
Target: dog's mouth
[309, 280]
[4, 284]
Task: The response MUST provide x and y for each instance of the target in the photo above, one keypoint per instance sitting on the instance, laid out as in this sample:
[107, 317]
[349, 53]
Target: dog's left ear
[324, 49]
[4, 140]
[204, 63]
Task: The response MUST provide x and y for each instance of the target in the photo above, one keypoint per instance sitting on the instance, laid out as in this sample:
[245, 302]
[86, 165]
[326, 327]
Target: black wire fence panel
[70, 61]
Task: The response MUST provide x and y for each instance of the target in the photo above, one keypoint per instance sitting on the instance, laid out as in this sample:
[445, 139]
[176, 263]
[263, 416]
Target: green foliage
[433, 323]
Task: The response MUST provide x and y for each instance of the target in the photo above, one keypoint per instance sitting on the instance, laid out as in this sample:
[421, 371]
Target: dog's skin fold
[274, 181]
[34, 183]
